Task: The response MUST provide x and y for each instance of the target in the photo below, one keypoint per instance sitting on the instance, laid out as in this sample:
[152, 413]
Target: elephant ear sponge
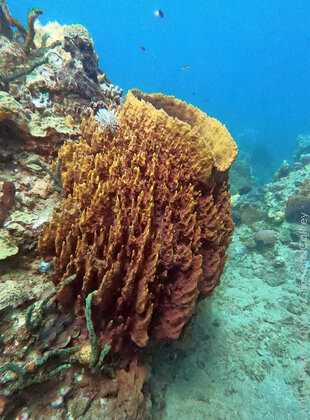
[145, 221]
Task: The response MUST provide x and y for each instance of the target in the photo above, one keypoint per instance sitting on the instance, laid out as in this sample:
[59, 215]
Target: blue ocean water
[249, 59]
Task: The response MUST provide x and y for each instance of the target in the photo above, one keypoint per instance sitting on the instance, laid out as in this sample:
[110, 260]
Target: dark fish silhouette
[142, 48]
[244, 190]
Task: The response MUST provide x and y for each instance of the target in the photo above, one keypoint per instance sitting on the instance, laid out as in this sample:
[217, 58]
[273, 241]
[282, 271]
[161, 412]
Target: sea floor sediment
[242, 357]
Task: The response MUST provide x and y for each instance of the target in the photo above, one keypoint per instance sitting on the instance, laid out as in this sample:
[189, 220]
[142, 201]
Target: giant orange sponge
[145, 220]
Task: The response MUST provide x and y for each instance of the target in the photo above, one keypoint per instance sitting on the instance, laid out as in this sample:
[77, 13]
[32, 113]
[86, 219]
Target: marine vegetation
[145, 223]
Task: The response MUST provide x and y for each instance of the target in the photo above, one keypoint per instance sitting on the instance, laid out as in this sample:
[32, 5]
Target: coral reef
[298, 202]
[146, 222]
[7, 200]
[139, 239]
[283, 195]
[251, 213]
[107, 119]
[46, 87]
[19, 58]
[7, 246]
[8, 22]
[283, 171]
[269, 254]
[8, 106]
[303, 146]
[52, 79]
[240, 177]
[278, 201]
[114, 93]
[265, 238]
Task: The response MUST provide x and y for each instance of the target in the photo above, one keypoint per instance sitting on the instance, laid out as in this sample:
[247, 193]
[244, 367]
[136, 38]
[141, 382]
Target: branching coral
[145, 223]
[114, 93]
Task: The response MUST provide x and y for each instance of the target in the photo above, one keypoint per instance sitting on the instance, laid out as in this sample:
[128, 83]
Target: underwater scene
[154, 210]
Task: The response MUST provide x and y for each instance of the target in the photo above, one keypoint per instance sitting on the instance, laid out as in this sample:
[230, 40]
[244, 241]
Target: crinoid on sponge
[145, 223]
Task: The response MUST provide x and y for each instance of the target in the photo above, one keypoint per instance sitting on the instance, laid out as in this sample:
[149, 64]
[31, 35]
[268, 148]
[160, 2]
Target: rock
[283, 171]
[265, 238]
[7, 200]
[7, 246]
[12, 55]
[276, 216]
[42, 188]
[303, 145]
[42, 127]
[240, 177]
[298, 202]
[294, 233]
[8, 106]
[251, 213]
[16, 229]
[11, 294]
[23, 217]
[279, 262]
[305, 159]
[78, 406]
[275, 280]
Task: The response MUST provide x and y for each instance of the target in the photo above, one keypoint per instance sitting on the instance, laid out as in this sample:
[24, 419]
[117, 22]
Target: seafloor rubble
[128, 204]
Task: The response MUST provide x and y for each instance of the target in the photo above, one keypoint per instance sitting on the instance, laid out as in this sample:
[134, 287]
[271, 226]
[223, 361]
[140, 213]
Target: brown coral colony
[145, 221]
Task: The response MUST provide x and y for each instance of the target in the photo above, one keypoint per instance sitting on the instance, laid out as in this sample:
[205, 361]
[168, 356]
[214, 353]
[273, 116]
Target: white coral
[107, 119]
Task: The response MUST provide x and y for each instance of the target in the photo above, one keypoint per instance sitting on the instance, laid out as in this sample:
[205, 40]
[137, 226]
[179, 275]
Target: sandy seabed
[242, 357]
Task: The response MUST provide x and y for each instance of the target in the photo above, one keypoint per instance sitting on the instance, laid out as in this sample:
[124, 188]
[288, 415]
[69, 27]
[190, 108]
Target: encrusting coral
[145, 222]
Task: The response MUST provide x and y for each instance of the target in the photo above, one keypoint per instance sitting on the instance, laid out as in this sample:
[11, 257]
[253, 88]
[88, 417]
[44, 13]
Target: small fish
[186, 67]
[159, 13]
[143, 48]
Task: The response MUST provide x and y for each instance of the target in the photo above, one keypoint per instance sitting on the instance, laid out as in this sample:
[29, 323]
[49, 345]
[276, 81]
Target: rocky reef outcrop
[49, 83]
[299, 202]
